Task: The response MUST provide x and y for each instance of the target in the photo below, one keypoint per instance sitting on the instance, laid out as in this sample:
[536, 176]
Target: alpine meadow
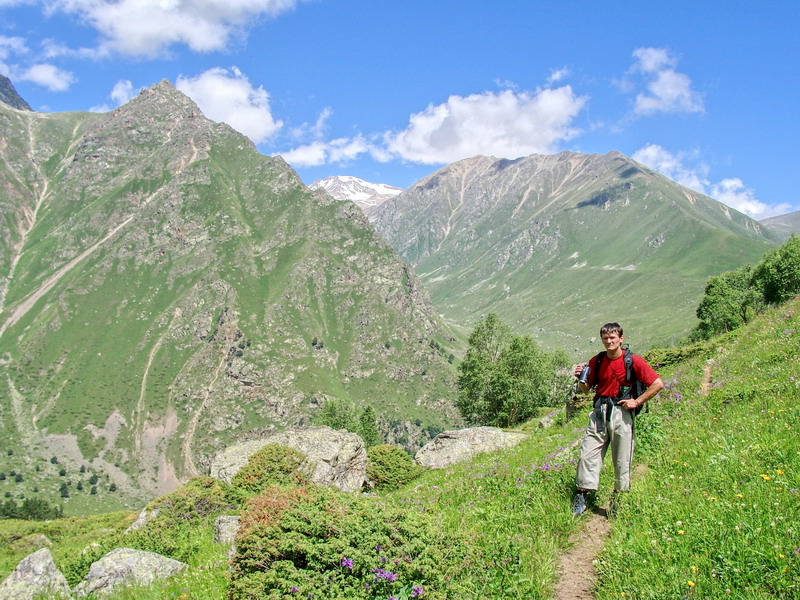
[181, 317]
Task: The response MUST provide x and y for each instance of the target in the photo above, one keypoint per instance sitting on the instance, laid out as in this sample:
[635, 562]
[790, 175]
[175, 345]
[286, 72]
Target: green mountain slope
[784, 225]
[557, 245]
[165, 288]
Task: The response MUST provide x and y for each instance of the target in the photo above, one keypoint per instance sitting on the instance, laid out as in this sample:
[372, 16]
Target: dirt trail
[576, 566]
[705, 384]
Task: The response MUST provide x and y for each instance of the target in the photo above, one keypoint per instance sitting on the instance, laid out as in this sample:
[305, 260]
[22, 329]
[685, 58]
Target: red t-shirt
[612, 374]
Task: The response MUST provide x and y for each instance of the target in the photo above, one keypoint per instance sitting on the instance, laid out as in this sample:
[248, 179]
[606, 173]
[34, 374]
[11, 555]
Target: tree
[368, 427]
[778, 273]
[729, 302]
[504, 377]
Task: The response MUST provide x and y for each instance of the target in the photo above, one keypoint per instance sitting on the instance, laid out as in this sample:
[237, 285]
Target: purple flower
[385, 575]
[293, 590]
[347, 562]
[416, 591]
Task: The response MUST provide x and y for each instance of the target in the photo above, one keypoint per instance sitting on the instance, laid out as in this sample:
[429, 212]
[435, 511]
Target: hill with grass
[784, 225]
[165, 288]
[713, 511]
[557, 245]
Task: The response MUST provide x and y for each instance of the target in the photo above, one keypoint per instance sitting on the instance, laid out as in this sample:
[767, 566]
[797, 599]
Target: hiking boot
[579, 504]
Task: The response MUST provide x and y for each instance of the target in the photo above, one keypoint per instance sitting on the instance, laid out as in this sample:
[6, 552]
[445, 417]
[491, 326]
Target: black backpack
[636, 387]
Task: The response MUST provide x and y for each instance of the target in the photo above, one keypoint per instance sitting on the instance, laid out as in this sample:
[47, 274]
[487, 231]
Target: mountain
[784, 225]
[558, 245]
[9, 95]
[366, 195]
[165, 288]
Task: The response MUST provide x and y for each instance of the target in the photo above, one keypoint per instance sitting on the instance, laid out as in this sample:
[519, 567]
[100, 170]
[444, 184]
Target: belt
[599, 403]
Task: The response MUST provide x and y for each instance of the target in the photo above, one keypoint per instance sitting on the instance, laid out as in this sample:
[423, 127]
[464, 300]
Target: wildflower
[694, 569]
[347, 562]
[416, 591]
[690, 583]
[681, 532]
[779, 472]
[765, 477]
[293, 590]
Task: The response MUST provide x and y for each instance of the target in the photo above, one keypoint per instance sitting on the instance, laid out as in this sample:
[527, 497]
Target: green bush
[320, 543]
[273, 465]
[389, 467]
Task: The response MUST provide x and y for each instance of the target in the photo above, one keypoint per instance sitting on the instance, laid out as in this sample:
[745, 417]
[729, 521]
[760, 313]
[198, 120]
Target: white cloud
[320, 152]
[148, 27]
[228, 96]
[121, 93]
[49, 76]
[557, 75]
[673, 166]
[731, 191]
[667, 89]
[505, 124]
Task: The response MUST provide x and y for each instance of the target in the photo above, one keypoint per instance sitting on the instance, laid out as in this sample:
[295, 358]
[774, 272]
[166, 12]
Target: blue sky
[389, 91]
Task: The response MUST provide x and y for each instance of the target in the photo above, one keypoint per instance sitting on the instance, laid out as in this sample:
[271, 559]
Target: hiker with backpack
[623, 382]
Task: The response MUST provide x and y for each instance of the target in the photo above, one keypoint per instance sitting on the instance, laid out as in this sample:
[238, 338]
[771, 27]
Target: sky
[390, 90]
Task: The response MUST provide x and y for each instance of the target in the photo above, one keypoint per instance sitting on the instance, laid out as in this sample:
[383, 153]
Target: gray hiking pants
[616, 432]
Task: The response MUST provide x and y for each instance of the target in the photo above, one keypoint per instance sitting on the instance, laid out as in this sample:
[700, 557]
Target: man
[611, 422]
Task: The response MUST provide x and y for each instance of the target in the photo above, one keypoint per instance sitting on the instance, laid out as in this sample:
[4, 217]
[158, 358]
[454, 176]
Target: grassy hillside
[713, 513]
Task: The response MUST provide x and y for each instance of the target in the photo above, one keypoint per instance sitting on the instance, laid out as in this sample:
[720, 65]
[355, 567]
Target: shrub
[389, 467]
[320, 543]
[273, 465]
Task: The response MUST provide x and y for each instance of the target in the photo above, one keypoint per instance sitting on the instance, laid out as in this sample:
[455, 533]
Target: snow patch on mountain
[363, 193]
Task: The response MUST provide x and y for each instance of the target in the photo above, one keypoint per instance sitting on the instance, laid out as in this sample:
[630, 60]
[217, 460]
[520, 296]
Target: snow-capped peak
[363, 193]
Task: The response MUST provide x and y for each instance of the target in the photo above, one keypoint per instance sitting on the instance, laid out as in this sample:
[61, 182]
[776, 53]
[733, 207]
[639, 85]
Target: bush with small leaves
[273, 465]
[389, 467]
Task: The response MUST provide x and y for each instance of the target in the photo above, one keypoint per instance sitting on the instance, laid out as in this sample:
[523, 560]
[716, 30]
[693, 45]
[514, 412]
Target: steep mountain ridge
[167, 288]
[784, 225]
[558, 244]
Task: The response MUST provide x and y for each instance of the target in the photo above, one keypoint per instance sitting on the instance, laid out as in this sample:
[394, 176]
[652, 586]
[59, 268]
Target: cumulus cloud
[735, 194]
[731, 191]
[121, 93]
[148, 27]
[674, 166]
[49, 76]
[667, 89]
[505, 124]
[228, 96]
[341, 150]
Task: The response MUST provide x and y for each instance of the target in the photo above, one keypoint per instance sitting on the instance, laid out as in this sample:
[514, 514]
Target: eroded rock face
[339, 457]
[450, 447]
[126, 567]
[36, 576]
[225, 529]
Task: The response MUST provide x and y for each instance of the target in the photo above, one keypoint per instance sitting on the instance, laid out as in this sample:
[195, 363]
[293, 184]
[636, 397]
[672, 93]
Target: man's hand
[629, 403]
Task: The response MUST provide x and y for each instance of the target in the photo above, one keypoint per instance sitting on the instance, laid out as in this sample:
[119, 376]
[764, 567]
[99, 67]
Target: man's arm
[652, 390]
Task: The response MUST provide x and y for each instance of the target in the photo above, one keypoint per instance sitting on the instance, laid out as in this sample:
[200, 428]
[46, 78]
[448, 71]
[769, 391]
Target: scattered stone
[338, 457]
[126, 567]
[143, 519]
[225, 529]
[31, 543]
[36, 576]
[549, 419]
[452, 447]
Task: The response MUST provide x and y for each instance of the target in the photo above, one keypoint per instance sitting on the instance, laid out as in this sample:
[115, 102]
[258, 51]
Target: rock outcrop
[225, 529]
[125, 567]
[36, 576]
[451, 447]
[339, 457]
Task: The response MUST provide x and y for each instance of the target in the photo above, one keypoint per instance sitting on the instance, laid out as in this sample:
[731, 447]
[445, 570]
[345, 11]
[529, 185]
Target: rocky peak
[9, 95]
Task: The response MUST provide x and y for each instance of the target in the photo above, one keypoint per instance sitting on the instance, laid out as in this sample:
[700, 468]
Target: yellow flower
[681, 532]
[694, 569]
[690, 583]
[765, 477]
[740, 495]
[779, 472]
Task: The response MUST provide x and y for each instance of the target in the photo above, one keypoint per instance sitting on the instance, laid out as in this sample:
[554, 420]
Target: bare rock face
[143, 519]
[450, 447]
[125, 567]
[36, 576]
[225, 529]
[339, 457]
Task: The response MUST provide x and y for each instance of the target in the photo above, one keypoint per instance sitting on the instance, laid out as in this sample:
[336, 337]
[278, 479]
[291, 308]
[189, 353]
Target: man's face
[612, 341]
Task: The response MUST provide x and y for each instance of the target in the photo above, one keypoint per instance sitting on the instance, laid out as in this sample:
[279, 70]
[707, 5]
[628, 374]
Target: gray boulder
[143, 519]
[225, 529]
[338, 457]
[36, 575]
[450, 447]
[126, 567]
